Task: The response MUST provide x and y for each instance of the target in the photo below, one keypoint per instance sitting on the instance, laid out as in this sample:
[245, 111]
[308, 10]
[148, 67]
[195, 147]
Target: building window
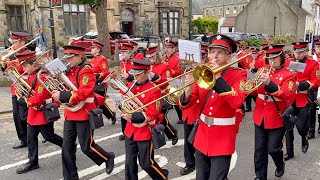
[234, 10]
[207, 12]
[227, 11]
[74, 19]
[171, 22]
[15, 18]
[230, 29]
[213, 12]
[220, 11]
[242, 7]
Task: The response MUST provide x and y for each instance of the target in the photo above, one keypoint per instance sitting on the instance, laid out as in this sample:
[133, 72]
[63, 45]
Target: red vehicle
[91, 36]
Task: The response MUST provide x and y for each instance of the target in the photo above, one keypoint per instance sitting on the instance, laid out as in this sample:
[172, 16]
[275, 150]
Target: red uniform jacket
[150, 114]
[308, 79]
[245, 63]
[126, 64]
[100, 66]
[164, 72]
[282, 88]
[260, 61]
[19, 69]
[218, 140]
[86, 80]
[173, 61]
[36, 117]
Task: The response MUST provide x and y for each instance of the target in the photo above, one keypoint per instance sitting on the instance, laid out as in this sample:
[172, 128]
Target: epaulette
[290, 70]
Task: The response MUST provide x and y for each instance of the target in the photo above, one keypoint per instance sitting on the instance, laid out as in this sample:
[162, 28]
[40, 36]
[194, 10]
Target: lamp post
[51, 25]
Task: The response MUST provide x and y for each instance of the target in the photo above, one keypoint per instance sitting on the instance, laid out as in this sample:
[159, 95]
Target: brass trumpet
[253, 84]
[204, 76]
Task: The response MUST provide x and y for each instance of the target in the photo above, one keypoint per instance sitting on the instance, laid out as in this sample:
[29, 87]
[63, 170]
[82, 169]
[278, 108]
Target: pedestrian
[76, 123]
[42, 40]
[37, 122]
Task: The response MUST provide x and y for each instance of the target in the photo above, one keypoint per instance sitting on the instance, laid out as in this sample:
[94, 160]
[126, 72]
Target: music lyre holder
[189, 57]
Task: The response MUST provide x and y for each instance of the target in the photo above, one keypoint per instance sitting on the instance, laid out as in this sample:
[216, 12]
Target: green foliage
[282, 39]
[90, 2]
[204, 24]
[252, 42]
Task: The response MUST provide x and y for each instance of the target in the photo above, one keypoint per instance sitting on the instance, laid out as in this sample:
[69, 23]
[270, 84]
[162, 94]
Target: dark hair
[31, 60]
[282, 59]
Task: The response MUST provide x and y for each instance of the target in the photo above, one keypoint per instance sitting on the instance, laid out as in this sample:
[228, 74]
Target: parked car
[197, 37]
[91, 36]
[144, 40]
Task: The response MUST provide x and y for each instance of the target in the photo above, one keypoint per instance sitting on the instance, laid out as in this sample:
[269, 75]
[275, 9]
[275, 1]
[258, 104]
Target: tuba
[55, 79]
[23, 89]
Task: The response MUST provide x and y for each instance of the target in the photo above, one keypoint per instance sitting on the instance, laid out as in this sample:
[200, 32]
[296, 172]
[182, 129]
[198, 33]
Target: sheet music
[297, 66]
[55, 67]
[177, 83]
[191, 48]
[116, 97]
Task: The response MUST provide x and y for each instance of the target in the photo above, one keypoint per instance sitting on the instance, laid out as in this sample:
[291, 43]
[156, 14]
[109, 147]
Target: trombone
[3, 58]
[204, 76]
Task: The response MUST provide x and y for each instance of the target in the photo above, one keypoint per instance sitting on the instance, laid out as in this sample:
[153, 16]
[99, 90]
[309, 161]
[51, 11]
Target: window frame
[78, 10]
[19, 18]
[175, 20]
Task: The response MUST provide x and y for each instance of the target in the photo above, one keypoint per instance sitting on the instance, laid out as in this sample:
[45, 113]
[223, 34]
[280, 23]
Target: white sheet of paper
[297, 66]
[117, 98]
[177, 83]
[55, 67]
[189, 50]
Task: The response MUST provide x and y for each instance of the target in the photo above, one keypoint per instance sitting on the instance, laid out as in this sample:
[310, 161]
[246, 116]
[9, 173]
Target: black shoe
[114, 118]
[248, 110]
[27, 167]
[180, 122]
[310, 135]
[304, 145]
[279, 171]
[121, 137]
[166, 172]
[110, 163]
[186, 170]
[256, 178]
[175, 137]
[19, 145]
[286, 157]
[318, 130]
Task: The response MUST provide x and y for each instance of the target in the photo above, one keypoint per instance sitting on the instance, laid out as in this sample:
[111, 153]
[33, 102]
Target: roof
[214, 3]
[195, 8]
[229, 22]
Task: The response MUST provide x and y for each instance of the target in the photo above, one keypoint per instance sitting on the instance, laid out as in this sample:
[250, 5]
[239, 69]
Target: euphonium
[253, 84]
[22, 88]
[58, 82]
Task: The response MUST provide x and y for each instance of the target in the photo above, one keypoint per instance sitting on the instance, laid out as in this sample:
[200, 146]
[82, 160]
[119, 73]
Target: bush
[204, 24]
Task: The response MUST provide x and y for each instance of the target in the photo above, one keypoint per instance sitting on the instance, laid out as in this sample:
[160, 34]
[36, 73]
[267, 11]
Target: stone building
[132, 16]
[275, 17]
[224, 8]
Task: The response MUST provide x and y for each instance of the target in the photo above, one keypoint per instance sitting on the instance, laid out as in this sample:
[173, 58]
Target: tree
[204, 24]
[99, 7]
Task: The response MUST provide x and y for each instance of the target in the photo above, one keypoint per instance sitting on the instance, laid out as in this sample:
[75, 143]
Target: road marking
[5, 167]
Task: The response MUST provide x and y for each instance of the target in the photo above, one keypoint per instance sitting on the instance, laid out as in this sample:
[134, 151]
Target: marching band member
[100, 67]
[138, 141]
[77, 123]
[268, 124]
[313, 108]
[215, 137]
[305, 80]
[159, 74]
[18, 39]
[171, 58]
[37, 122]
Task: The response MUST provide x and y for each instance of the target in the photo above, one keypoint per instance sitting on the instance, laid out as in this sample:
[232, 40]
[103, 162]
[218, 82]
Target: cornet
[253, 84]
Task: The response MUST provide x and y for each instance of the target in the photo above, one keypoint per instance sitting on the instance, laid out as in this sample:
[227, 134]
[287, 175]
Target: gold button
[210, 113]
[265, 103]
[198, 101]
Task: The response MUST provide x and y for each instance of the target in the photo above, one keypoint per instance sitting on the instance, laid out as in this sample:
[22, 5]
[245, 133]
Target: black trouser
[313, 117]
[82, 129]
[169, 130]
[143, 150]
[123, 124]
[248, 101]
[302, 126]
[179, 112]
[189, 149]
[21, 126]
[106, 110]
[212, 168]
[47, 132]
[267, 141]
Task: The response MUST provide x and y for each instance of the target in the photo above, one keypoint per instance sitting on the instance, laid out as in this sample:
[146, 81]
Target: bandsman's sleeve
[174, 64]
[192, 101]
[39, 96]
[87, 82]
[233, 94]
[104, 68]
[314, 78]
